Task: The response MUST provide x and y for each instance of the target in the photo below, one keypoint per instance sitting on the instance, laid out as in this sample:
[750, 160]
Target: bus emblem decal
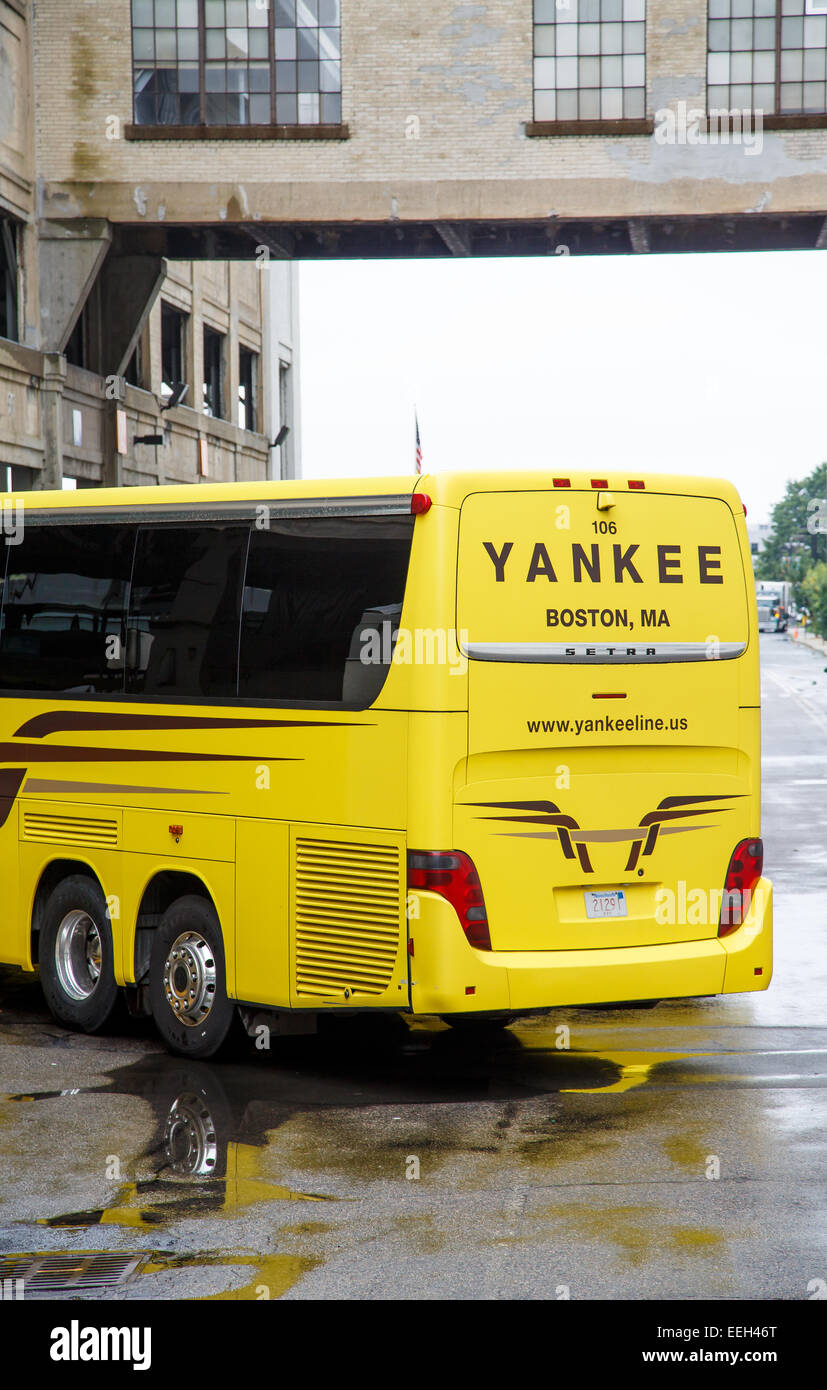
[574, 839]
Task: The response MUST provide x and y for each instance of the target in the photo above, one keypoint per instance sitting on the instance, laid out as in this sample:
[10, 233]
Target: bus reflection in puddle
[214, 1124]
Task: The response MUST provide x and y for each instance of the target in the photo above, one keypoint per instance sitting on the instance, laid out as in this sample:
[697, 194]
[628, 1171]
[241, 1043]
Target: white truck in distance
[774, 599]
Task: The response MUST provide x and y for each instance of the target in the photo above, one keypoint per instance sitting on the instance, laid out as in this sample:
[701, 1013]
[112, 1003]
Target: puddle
[216, 1123]
[422, 1235]
[324, 1120]
[199, 1172]
[222, 1133]
[272, 1275]
[687, 1153]
[639, 1234]
[693, 1239]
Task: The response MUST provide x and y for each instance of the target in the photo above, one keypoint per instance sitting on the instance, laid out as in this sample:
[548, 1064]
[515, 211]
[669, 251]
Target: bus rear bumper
[449, 976]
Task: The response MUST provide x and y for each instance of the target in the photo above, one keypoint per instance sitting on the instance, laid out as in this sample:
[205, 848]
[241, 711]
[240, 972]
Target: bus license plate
[608, 904]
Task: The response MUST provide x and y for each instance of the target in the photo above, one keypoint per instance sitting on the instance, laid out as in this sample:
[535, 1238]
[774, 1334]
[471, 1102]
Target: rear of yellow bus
[606, 820]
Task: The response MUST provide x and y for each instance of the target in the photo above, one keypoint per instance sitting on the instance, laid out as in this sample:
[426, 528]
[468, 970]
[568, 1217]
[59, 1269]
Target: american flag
[418, 445]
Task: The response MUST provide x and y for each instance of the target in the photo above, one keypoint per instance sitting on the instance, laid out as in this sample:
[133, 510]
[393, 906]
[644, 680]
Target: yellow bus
[471, 745]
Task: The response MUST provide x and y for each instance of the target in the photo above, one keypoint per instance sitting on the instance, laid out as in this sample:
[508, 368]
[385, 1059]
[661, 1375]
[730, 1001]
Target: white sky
[709, 364]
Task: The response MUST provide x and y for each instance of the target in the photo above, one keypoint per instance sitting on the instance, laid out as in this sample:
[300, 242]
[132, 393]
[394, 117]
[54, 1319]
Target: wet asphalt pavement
[671, 1153]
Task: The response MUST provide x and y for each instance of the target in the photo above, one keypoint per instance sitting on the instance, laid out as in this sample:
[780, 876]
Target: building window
[236, 62]
[760, 60]
[134, 370]
[75, 349]
[213, 373]
[8, 279]
[173, 348]
[16, 478]
[247, 389]
[590, 60]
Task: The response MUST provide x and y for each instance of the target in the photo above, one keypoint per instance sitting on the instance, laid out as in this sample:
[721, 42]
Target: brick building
[134, 132]
[94, 344]
[381, 127]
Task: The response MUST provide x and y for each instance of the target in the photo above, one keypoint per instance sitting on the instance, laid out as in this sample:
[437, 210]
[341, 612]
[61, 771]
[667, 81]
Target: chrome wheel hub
[78, 955]
[189, 978]
[189, 1140]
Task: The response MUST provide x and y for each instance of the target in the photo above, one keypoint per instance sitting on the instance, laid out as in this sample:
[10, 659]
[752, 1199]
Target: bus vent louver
[67, 1272]
[347, 908]
[70, 830]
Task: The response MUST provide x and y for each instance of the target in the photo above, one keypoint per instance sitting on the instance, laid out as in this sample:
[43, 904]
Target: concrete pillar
[28, 326]
[51, 406]
[123, 295]
[70, 255]
[153, 360]
[112, 472]
[195, 347]
[231, 348]
[281, 350]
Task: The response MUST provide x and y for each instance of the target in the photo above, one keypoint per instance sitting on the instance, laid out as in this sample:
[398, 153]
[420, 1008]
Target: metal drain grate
[59, 1273]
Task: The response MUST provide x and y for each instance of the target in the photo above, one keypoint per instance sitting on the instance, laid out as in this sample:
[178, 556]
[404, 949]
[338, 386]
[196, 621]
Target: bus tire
[76, 955]
[188, 981]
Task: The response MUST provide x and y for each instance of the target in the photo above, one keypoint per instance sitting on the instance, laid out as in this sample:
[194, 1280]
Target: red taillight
[453, 876]
[600, 482]
[420, 502]
[637, 483]
[745, 868]
[561, 482]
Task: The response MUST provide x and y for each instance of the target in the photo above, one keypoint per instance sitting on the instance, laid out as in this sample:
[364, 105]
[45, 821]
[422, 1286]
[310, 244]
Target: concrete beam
[125, 291]
[279, 243]
[456, 238]
[70, 254]
[357, 240]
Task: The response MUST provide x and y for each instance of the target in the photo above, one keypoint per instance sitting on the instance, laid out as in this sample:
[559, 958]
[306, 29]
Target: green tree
[792, 549]
[814, 589]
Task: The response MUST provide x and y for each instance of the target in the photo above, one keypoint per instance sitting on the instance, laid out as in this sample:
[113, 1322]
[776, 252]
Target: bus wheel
[187, 981]
[76, 955]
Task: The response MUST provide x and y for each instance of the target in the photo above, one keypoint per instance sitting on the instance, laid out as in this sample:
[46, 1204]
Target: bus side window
[182, 625]
[63, 609]
[370, 654]
[310, 588]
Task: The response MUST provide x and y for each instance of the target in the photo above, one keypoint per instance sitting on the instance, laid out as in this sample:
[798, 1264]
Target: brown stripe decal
[82, 722]
[71, 721]
[590, 836]
[10, 780]
[67, 753]
[644, 836]
[41, 785]
[652, 823]
[669, 801]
